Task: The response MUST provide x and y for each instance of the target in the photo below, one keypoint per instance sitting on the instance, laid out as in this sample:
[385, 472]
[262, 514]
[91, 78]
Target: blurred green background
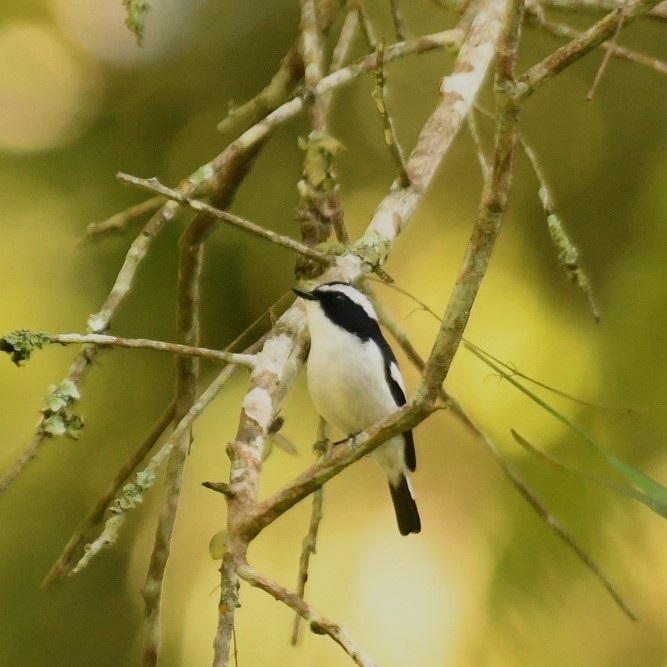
[485, 583]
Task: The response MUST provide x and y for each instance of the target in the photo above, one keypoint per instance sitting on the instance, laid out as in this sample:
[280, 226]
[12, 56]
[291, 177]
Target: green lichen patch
[19, 344]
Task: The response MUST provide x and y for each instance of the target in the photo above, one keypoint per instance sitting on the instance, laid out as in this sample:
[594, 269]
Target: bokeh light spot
[44, 100]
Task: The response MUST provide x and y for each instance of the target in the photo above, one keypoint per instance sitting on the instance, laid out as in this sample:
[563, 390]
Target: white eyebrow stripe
[353, 294]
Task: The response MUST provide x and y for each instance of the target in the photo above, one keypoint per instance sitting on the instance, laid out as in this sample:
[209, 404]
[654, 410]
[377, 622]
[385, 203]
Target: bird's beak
[304, 295]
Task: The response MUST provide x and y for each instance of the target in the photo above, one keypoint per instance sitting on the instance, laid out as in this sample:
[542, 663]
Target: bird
[354, 381]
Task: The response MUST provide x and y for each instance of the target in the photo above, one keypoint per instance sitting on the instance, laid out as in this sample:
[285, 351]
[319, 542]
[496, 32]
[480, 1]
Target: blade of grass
[654, 494]
[608, 484]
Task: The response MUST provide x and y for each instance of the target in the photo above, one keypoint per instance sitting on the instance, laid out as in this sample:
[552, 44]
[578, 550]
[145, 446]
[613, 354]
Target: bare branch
[309, 544]
[658, 12]
[318, 624]
[201, 207]
[535, 77]
[135, 491]
[120, 221]
[187, 377]
[542, 511]
[277, 92]
[160, 346]
[277, 365]
[487, 225]
[564, 30]
[99, 322]
[568, 255]
[310, 44]
[380, 97]
[63, 564]
[398, 19]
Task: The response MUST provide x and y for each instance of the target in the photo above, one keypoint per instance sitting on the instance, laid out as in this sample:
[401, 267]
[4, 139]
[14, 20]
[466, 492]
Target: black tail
[407, 515]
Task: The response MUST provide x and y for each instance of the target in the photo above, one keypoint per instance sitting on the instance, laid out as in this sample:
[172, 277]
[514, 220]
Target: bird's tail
[407, 515]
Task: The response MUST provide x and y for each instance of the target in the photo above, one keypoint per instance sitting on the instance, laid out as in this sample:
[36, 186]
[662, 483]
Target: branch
[266, 234]
[277, 92]
[318, 624]
[447, 38]
[380, 96]
[190, 260]
[118, 222]
[245, 517]
[133, 493]
[340, 457]
[564, 30]
[542, 511]
[658, 12]
[64, 562]
[535, 77]
[528, 494]
[487, 225]
[310, 45]
[278, 362]
[568, 255]
[161, 346]
[99, 322]
[309, 543]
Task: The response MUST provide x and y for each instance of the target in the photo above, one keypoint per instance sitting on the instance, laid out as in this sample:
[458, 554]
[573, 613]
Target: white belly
[347, 390]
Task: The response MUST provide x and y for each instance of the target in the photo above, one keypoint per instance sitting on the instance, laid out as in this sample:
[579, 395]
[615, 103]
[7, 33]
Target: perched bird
[354, 381]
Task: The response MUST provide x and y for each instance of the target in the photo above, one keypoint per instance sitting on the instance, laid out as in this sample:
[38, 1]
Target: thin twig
[659, 12]
[309, 544]
[116, 521]
[318, 623]
[483, 159]
[158, 345]
[543, 512]
[120, 221]
[513, 476]
[537, 75]
[564, 30]
[607, 56]
[277, 92]
[338, 58]
[99, 322]
[345, 39]
[398, 19]
[367, 29]
[310, 44]
[282, 84]
[267, 234]
[568, 255]
[63, 564]
[487, 225]
[380, 97]
[190, 260]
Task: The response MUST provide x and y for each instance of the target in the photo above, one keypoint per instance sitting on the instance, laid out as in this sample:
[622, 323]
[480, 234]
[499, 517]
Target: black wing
[399, 396]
